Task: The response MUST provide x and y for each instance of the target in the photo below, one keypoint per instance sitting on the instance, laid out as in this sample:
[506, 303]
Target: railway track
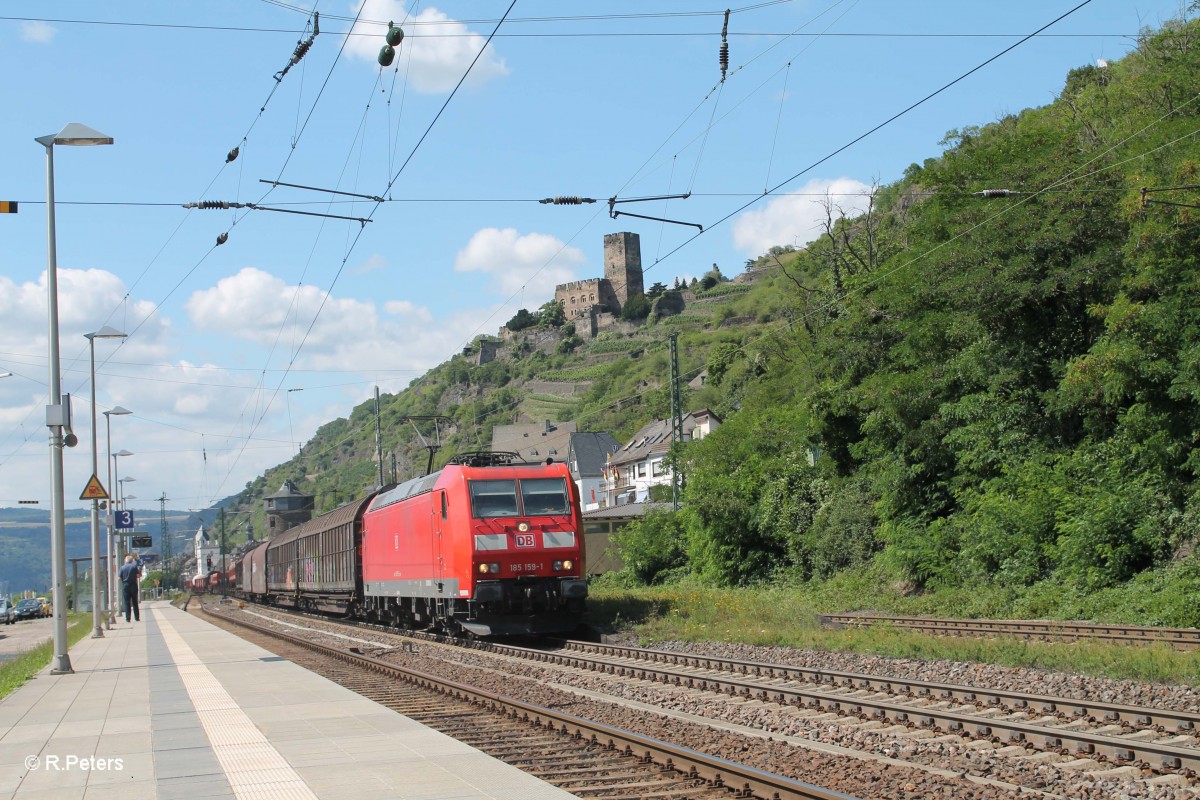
[1160, 740]
[1179, 638]
[586, 758]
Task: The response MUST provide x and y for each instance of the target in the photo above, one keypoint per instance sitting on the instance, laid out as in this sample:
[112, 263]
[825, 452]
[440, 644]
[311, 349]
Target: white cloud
[38, 32]
[436, 50]
[796, 219]
[534, 263]
[257, 307]
[87, 300]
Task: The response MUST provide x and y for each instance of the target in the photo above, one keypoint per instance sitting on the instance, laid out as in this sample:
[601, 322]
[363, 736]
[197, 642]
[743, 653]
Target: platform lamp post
[104, 333]
[111, 603]
[58, 417]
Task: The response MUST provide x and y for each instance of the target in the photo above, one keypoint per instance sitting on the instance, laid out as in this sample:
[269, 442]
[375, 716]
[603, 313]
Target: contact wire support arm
[613, 213]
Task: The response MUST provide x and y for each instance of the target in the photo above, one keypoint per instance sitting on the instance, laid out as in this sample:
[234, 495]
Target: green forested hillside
[955, 390]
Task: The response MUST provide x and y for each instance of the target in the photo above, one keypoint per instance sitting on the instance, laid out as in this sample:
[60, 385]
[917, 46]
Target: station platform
[174, 707]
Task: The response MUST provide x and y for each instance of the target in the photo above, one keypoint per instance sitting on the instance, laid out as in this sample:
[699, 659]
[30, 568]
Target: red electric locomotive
[487, 545]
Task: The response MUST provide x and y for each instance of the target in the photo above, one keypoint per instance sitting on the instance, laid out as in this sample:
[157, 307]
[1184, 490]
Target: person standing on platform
[130, 575]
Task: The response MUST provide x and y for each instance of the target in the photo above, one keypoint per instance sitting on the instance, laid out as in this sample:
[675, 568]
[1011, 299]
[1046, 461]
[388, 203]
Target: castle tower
[623, 265]
[287, 508]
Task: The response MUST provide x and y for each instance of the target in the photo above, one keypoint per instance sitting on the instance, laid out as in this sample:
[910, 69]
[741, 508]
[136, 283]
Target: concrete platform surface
[173, 707]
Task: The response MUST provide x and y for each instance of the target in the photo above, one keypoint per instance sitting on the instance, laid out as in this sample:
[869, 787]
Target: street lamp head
[118, 411]
[122, 453]
[77, 134]
[106, 332]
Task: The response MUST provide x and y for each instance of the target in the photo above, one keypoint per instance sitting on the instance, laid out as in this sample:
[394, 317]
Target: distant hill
[25, 543]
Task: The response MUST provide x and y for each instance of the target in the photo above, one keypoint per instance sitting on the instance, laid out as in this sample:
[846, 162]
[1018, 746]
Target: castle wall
[578, 296]
[487, 351]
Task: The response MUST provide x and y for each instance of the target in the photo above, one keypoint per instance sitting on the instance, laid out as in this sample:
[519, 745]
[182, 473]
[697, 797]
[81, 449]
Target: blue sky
[239, 352]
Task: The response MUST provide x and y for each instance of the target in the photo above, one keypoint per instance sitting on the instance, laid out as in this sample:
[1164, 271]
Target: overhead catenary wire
[395, 177]
[748, 34]
[874, 129]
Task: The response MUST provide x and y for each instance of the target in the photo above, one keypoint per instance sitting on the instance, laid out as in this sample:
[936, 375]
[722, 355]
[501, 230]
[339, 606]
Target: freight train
[486, 546]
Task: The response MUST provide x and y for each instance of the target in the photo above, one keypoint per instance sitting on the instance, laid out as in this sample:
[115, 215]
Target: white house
[639, 464]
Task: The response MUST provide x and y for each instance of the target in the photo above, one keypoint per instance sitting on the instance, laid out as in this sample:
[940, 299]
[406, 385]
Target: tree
[551, 315]
[523, 319]
[720, 357]
[657, 289]
[636, 308]
[712, 278]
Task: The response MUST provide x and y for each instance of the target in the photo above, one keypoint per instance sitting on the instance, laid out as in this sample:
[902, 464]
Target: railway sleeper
[584, 768]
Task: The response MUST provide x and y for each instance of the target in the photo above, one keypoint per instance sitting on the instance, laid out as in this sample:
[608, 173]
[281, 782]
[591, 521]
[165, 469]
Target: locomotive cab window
[541, 496]
[494, 498]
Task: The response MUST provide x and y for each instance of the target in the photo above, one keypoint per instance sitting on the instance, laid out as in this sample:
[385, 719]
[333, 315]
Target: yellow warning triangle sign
[93, 490]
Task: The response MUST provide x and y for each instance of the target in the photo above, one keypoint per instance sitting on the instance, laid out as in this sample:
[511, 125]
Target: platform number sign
[124, 520]
[524, 540]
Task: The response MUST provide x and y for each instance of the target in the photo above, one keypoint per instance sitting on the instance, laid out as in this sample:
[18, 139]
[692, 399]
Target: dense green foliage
[1001, 390]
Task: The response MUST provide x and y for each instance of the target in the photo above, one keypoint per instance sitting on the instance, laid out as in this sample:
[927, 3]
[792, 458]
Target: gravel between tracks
[533, 682]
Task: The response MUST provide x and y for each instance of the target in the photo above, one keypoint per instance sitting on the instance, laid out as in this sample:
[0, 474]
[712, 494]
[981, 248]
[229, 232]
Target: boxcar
[254, 572]
[316, 565]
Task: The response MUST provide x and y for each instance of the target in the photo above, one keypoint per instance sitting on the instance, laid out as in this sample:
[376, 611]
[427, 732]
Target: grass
[788, 617]
[15, 672]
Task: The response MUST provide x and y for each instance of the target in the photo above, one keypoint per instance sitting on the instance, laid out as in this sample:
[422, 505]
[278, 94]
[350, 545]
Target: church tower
[623, 265]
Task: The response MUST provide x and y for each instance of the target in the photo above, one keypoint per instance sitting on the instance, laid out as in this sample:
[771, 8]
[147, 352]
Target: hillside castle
[595, 304]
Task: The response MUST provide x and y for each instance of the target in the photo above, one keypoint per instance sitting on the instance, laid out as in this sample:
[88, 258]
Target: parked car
[8, 612]
[47, 607]
[29, 608]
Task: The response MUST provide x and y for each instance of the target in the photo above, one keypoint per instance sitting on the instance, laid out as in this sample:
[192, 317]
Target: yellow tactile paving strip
[253, 767]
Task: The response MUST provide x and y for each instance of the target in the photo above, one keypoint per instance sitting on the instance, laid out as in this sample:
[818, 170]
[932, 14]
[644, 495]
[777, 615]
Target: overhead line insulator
[209, 204]
[393, 37]
[573, 200]
[302, 48]
[993, 193]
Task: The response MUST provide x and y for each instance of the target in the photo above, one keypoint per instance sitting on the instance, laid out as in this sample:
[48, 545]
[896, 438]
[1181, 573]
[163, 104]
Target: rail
[746, 780]
[1179, 638]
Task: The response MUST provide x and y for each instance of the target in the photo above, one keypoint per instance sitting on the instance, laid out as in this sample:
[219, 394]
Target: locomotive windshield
[541, 496]
[537, 496]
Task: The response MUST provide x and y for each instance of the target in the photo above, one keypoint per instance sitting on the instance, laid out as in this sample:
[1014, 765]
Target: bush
[636, 308]
[521, 321]
[652, 545]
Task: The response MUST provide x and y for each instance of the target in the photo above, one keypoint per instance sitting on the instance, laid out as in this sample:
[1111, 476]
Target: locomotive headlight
[558, 565]
[495, 568]
[568, 564]
[483, 569]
